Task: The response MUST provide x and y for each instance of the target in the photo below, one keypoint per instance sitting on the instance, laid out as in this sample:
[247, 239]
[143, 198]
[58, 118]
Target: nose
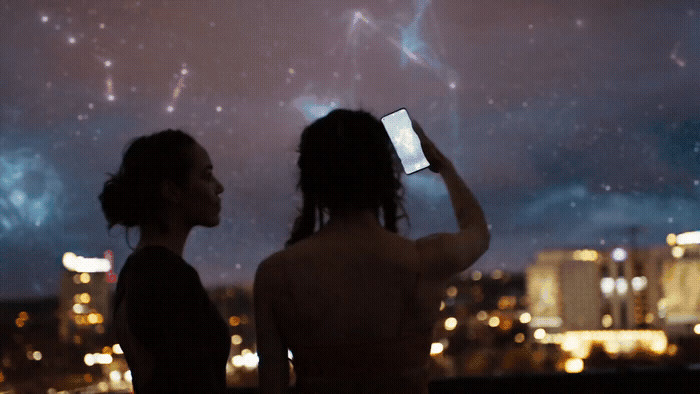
[219, 187]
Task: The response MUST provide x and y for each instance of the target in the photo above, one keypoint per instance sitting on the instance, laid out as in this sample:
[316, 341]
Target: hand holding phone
[405, 140]
[432, 153]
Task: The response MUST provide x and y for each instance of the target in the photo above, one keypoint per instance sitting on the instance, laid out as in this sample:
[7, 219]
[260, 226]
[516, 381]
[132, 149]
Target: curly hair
[346, 163]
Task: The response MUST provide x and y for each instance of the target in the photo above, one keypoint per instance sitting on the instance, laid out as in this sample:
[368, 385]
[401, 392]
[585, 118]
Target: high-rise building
[589, 289]
[84, 298]
[680, 282]
[582, 297]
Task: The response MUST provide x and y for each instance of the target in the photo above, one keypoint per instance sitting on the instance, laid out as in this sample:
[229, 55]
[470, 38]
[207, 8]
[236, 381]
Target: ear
[170, 191]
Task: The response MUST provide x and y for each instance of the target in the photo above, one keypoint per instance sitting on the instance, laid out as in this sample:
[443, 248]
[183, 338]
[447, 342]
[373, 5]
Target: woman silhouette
[173, 338]
[354, 301]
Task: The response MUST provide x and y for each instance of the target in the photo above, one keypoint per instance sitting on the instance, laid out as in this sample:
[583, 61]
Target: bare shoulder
[445, 254]
[270, 270]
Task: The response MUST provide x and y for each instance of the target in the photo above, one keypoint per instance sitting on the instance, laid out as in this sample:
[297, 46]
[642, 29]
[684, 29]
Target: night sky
[572, 123]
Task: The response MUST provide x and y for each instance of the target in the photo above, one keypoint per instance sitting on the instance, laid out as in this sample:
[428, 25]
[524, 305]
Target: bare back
[347, 295]
[353, 286]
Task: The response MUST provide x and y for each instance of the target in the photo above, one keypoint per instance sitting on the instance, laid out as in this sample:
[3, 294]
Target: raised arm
[273, 365]
[445, 254]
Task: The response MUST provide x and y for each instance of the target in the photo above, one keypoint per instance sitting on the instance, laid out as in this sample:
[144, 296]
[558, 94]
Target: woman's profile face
[201, 203]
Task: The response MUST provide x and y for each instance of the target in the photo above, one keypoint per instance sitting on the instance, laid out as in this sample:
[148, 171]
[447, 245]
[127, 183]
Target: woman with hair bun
[354, 301]
[173, 338]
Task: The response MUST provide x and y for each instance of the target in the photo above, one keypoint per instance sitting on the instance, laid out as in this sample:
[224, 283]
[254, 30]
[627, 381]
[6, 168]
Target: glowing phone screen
[405, 140]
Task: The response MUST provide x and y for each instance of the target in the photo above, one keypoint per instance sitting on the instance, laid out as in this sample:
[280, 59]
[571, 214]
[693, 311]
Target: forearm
[467, 210]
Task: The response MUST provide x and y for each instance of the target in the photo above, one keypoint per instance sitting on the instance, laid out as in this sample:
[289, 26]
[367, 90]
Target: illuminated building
[586, 289]
[585, 297]
[84, 298]
[680, 305]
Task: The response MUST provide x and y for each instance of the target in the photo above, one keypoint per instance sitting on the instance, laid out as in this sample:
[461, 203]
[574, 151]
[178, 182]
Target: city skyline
[571, 123]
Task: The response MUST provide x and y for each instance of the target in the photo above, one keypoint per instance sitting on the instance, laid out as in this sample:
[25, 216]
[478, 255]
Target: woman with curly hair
[354, 301]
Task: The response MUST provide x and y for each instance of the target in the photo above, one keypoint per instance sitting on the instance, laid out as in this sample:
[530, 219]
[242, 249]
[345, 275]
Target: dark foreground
[651, 380]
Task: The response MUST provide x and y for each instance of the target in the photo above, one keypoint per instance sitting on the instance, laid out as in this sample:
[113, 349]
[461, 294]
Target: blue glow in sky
[570, 122]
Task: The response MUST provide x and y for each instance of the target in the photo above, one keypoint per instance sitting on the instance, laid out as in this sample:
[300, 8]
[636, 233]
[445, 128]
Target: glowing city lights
[546, 321]
[115, 376]
[607, 285]
[117, 349]
[671, 239]
[585, 255]
[84, 264]
[573, 365]
[451, 291]
[606, 321]
[677, 251]
[496, 274]
[494, 321]
[436, 348]
[621, 286]
[525, 317]
[539, 333]
[579, 343]
[689, 238]
[85, 298]
[236, 339]
[619, 254]
[639, 283]
[450, 323]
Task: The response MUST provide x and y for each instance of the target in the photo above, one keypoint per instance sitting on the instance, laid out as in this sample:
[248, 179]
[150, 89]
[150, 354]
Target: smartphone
[405, 140]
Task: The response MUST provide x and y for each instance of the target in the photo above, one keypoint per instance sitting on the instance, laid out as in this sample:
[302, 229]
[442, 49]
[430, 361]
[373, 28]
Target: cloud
[574, 215]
